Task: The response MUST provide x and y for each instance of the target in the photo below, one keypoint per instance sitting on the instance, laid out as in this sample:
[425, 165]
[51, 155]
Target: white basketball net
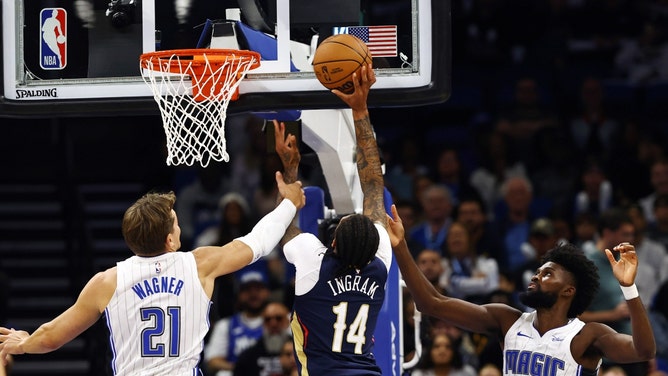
[195, 123]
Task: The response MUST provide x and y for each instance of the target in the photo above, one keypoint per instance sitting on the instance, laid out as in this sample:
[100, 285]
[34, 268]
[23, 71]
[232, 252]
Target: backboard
[69, 58]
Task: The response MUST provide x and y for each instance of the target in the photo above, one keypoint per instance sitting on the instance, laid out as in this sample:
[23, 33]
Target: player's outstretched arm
[68, 325]
[265, 235]
[368, 156]
[640, 346]
[489, 318]
[288, 151]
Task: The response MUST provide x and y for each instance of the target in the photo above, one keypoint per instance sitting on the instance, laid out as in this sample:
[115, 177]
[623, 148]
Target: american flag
[381, 40]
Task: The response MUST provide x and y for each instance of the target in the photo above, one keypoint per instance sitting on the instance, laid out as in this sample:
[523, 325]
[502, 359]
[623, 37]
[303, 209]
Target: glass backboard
[82, 56]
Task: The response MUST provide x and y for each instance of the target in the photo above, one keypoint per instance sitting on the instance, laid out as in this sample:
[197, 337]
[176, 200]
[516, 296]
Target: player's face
[545, 285]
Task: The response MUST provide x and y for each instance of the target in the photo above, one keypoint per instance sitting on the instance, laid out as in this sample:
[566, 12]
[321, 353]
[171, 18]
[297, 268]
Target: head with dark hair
[355, 242]
[615, 227]
[583, 271]
[441, 350]
[612, 219]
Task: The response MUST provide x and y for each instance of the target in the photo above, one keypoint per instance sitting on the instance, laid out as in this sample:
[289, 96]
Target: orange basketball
[337, 58]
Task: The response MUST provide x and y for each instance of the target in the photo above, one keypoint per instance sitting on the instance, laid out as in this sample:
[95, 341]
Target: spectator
[553, 170]
[408, 210]
[658, 230]
[489, 369]
[632, 159]
[430, 263]
[659, 180]
[197, 203]
[436, 204]
[586, 229]
[264, 196]
[484, 240]
[496, 165]
[450, 173]
[652, 257]
[401, 177]
[263, 358]
[441, 357]
[466, 344]
[596, 195]
[234, 334]
[513, 220]
[235, 219]
[287, 359]
[645, 58]
[248, 167]
[523, 118]
[592, 130]
[469, 276]
[658, 316]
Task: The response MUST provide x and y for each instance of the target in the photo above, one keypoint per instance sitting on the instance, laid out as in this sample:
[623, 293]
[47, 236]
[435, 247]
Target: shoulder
[105, 279]
[303, 245]
[590, 333]
[384, 251]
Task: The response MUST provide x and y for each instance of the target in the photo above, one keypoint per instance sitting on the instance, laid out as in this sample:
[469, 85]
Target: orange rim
[197, 57]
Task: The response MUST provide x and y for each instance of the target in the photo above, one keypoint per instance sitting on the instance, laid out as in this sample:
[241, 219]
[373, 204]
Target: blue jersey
[241, 337]
[334, 317]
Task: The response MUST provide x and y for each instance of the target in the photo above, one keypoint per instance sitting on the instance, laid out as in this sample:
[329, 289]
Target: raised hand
[626, 268]
[363, 80]
[292, 192]
[288, 150]
[395, 228]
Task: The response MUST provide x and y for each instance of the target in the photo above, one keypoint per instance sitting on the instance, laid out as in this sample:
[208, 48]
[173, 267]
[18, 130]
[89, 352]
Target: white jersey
[158, 316]
[525, 352]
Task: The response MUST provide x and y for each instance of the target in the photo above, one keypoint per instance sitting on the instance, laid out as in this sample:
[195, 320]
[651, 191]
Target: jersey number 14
[356, 332]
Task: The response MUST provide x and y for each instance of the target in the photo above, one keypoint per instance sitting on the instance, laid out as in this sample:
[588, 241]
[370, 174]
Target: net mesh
[193, 90]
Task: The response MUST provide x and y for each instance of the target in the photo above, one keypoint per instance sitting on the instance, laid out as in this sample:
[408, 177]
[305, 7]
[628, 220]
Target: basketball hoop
[193, 88]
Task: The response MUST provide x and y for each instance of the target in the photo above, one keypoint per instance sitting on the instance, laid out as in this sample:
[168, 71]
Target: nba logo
[53, 38]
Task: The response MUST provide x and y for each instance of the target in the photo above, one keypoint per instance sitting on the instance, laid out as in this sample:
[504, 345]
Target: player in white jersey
[551, 340]
[157, 302]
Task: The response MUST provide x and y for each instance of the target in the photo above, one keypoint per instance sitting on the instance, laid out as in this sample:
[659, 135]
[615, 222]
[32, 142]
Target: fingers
[624, 248]
[371, 74]
[395, 213]
[279, 129]
[291, 140]
[611, 258]
[279, 179]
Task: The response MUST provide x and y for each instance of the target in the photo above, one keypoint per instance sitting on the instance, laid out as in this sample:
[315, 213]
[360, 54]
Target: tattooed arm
[288, 151]
[368, 156]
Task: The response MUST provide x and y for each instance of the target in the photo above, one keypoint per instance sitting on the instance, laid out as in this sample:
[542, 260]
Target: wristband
[630, 292]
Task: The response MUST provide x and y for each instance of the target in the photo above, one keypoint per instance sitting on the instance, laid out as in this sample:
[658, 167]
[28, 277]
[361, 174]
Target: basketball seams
[337, 58]
[360, 45]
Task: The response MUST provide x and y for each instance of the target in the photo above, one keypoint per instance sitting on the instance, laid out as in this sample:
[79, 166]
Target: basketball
[61, 39]
[337, 58]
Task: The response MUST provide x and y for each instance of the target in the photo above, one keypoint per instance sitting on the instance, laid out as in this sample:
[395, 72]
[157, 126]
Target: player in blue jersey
[157, 302]
[339, 291]
[551, 340]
